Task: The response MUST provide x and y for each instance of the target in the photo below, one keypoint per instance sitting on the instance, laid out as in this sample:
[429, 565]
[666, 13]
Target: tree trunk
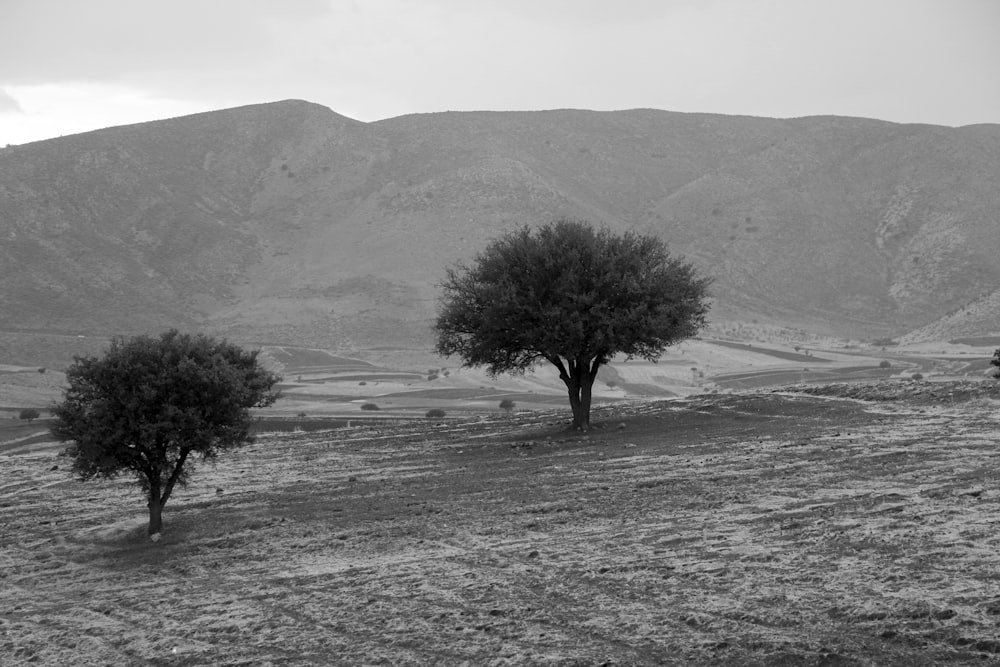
[155, 515]
[157, 501]
[578, 375]
[581, 420]
[580, 382]
[586, 385]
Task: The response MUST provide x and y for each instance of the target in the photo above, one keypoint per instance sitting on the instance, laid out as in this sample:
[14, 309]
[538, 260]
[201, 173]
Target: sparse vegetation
[149, 404]
[572, 296]
[29, 414]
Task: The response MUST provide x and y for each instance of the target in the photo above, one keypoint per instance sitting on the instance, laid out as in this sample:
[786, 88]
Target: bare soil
[777, 528]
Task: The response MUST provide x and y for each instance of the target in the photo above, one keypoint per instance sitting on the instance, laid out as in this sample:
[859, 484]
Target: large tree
[149, 404]
[570, 295]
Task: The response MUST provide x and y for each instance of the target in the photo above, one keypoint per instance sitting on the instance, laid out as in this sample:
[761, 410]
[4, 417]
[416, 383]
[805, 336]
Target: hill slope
[288, 223]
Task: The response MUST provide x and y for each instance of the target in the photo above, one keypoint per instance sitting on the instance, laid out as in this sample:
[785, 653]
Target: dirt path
[736, 530]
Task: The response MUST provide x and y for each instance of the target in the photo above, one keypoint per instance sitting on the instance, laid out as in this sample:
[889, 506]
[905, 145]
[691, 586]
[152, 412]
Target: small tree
[150, 403]
[885, 364]
[28, 414]
[995, 361]
[573, 297]
[508, 406]
[435, 413]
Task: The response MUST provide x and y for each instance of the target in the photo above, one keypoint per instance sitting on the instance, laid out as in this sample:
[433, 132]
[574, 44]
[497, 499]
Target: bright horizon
[69, 67]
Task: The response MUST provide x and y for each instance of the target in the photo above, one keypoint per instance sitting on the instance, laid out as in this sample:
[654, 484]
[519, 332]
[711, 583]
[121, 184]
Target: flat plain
[850, 526]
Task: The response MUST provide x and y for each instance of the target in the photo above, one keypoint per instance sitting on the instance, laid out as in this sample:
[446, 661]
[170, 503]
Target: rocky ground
[802, 527]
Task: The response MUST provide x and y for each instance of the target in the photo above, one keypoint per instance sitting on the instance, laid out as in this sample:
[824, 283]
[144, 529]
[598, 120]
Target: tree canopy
[150, 403]
[570, 295]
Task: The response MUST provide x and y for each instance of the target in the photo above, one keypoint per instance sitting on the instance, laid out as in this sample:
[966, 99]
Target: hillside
[290, 224]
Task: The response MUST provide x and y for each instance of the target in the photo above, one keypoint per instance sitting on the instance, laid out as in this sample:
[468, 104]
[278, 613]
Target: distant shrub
[995, 361]
[435, 413]
[362, 383]
[28, 414]
[916, 376]
[301, 415]
[507, 405]
[885, 364]
[432, 376]
[41, 370]
[369, 406]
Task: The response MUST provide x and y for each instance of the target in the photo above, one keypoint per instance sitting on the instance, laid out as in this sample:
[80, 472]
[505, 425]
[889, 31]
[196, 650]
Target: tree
[150, 404]
[29, 414]
[995, 361]
[508, 406]
[572, 296]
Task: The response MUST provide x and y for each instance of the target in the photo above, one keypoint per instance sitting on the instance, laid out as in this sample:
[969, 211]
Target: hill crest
[289, 223]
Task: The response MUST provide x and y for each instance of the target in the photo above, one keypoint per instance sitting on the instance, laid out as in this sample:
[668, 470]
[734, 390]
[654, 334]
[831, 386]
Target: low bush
[435, 413]
[28, 414]
[369, 406]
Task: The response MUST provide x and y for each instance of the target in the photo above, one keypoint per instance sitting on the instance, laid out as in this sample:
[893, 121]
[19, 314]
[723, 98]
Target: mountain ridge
[289, 223]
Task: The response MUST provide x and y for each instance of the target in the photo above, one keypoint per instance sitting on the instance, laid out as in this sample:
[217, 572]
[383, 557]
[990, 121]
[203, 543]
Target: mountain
[288, 223]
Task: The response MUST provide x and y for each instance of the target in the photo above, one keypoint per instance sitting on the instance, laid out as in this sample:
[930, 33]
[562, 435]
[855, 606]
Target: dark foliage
[150, 403]
[570, 295]
[29, 414]
[995, 361]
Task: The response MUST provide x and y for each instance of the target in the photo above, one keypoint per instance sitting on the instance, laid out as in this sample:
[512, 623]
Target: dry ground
[757, 529]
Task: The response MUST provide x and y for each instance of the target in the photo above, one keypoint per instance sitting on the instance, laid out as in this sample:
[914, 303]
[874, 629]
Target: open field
[323, 385]
[744, 529]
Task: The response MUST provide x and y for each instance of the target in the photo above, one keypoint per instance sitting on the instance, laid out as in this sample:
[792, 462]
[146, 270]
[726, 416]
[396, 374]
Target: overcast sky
[69, 66]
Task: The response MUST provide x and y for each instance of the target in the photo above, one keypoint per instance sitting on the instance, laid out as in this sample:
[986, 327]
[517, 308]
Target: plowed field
[757, 529]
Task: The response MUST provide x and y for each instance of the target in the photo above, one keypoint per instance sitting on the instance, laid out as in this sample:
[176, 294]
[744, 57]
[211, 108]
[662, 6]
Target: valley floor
[748, 529]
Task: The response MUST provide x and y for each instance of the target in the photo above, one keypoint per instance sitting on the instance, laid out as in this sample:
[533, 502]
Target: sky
[69, 66]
